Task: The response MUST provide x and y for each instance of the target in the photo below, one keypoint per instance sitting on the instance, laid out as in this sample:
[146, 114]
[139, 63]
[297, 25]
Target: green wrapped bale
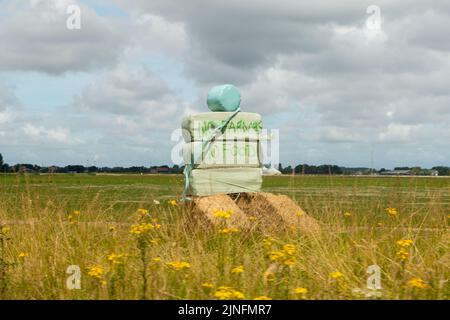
[245, 125]
[223, 154]
[205, 182]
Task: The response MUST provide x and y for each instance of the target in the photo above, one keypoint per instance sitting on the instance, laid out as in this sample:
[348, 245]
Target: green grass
[125, 191]
[36, 208]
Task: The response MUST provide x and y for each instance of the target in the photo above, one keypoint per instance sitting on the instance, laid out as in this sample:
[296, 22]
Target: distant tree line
[327, 169]
[310, 169]
[442, 171]
[334, 169]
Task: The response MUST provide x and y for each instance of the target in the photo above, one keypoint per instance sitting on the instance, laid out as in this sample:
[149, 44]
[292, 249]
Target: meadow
[131, 238]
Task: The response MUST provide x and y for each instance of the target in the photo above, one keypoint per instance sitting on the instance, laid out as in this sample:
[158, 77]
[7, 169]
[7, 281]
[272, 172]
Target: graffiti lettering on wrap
[240, 125]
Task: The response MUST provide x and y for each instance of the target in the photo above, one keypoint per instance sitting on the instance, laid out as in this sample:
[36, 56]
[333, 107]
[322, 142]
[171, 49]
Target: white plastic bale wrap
[206, 182]
[223, 154]
[232, 162]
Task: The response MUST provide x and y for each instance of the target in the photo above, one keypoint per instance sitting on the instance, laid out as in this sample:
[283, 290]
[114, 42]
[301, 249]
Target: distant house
[23, 169]
[434, 173]
[396, 173]
[162, 169]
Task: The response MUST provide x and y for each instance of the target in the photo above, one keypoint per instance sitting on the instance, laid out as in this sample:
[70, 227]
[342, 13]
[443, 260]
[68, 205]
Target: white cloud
[398, 133]
[47, 135]
[135, 93]
[34, 37]
[6, 115]
[315, 70]
[152, 34]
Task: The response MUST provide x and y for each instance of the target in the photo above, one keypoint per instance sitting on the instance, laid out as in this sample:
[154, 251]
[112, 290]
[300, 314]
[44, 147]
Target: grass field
[131, 239]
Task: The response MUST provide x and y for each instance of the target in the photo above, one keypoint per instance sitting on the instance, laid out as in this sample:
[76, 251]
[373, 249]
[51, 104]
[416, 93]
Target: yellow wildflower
[290, 261]
[289, 249]
[262, 298]
[417, 283]
[300, 213]
[141, 228]
[284, 256]
[23, 255]
[227, 293]
[157, 259]
[267, 242]
[391, 211]
[403, 254]
[178, 265]
[336, 275]
[404, 243]
[229, 230]
[276, 256]
[112, 229]
[116, 259]
[207, 286]
[238, 295]
[300, 291]
[96, 272]
[173, 202]
[76, 213]
[223, 214]
[72, 217]
[238, 269]
[142, 211]
[347, 214]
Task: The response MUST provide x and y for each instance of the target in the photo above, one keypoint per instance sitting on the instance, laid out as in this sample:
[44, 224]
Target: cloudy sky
[336, 81]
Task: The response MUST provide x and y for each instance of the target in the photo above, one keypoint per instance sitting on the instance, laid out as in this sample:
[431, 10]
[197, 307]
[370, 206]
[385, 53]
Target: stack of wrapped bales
[229, 161]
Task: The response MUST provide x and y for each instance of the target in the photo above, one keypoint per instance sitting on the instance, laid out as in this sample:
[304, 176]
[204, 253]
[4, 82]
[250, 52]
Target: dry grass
[42, 236]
